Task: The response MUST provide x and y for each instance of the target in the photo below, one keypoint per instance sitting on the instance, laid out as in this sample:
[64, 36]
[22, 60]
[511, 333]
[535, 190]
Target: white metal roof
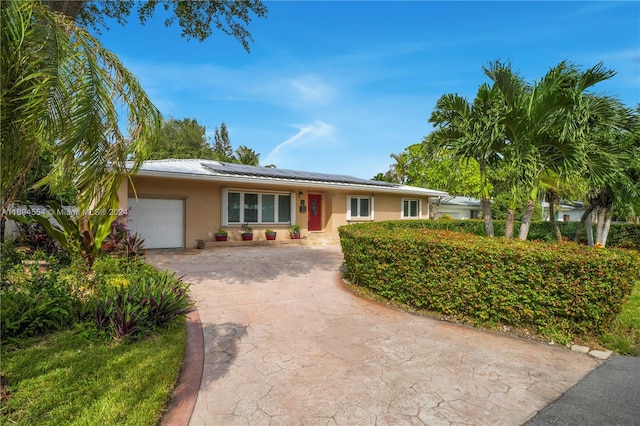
[240, 173]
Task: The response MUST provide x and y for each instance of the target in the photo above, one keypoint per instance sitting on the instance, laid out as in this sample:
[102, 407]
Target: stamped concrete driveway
[286, 344]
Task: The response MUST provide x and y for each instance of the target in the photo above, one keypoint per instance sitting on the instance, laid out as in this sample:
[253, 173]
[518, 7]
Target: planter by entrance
[271, 236]
[247, 237]
[221, 237]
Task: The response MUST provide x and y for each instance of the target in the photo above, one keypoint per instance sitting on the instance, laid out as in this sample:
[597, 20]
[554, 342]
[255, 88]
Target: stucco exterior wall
[203, 205]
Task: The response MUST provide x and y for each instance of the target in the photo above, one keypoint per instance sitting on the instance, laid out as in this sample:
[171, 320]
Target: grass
[624, 332]
[64, 378]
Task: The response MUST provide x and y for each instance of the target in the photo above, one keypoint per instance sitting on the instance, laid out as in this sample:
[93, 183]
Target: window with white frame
[359, 208]
[411, 208]
[256, 207]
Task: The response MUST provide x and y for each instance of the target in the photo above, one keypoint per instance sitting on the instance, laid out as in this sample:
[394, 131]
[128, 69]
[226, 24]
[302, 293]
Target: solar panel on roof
[245, 170]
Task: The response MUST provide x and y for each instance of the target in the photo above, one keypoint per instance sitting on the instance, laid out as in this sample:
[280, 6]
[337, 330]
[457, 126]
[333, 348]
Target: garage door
[159, 221]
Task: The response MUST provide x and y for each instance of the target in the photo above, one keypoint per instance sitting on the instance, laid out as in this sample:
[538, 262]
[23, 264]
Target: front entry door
[315, 212]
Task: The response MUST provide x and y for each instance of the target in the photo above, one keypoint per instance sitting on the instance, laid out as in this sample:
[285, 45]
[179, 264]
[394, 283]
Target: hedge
[555, 288]
[621, 235]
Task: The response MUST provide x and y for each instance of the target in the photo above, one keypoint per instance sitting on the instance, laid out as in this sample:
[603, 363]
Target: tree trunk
[601, 218]
[605, 230]
[434, 209]
[589, 225]
[526, 220]
[509, 224]
[552, 219]
[486, 215]
[583, 219]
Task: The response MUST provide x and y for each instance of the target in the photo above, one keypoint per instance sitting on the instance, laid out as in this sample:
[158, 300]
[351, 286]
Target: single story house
[177, 202]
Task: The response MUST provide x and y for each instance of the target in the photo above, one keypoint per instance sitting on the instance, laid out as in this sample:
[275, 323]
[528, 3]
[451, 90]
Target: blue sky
[336, 87]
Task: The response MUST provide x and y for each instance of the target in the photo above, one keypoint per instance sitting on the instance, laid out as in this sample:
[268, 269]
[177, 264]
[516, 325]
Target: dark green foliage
[621, 235]
[154, 300]
[34, 303]
[557, 289]
[122, 296]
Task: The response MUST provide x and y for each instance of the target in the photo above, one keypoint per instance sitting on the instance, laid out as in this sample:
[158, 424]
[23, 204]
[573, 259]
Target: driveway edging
[185, 394]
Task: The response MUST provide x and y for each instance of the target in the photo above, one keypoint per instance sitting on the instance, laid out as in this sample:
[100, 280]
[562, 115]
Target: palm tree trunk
[509, 224]
[434, 209]
[526, 220]
[486, 215]
[602, 215]
[605, 231]
[581, 224]
[552, 219]
[589, 225]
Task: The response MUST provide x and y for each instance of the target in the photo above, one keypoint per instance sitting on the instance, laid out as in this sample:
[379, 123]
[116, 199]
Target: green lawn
[624, 334]
[63, 378]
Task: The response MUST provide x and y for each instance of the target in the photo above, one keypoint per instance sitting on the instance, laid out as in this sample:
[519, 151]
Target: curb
[185, 394]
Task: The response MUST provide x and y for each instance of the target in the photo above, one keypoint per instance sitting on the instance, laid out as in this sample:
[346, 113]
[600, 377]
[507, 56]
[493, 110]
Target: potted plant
[221, 234]
[247, 232]
[270, 234]
[295, 231]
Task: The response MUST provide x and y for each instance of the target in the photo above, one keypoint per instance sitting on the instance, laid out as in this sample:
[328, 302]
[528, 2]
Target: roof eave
[405, 190]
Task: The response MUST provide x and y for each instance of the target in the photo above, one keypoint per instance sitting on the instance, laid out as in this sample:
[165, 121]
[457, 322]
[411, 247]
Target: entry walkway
[286, 344]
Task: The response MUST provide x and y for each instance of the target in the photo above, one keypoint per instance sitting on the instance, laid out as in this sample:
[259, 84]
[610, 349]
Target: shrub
[35, 303]
[621, 235]
[121, 241]
[137, 298]
[559, 289]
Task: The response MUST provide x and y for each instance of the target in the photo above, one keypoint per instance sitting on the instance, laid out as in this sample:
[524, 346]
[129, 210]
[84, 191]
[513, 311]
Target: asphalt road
[609, 395]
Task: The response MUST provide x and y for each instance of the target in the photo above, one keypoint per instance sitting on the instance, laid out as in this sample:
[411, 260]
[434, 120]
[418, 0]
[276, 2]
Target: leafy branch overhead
[197, 19]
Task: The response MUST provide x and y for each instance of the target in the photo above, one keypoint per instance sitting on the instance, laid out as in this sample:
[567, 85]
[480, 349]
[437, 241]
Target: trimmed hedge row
[621, 235]
[556, 288]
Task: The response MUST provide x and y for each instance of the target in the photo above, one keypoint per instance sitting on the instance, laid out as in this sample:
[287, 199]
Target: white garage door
[160, 222]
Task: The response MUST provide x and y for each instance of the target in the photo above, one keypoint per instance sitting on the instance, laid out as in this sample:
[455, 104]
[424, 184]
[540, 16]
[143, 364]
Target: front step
[321, 238]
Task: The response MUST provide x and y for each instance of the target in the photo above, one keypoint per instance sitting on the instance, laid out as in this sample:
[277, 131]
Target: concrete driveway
[286, 344]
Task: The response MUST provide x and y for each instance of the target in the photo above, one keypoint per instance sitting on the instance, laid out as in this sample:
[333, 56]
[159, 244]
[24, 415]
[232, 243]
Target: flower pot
[295, 235]
[247, 237]
[270, 236]
[221, 237]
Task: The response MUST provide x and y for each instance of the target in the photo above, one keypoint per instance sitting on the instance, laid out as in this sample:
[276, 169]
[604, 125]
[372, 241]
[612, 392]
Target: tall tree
[222, 145]
[196, 18]
[182, 139]
[471, 131]
[545, 123]
[246, 155]
[61, 88]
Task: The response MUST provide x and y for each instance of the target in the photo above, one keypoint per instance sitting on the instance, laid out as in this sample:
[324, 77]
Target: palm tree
[470, 131]
[246, 155]
[60, 87]
[545, 123]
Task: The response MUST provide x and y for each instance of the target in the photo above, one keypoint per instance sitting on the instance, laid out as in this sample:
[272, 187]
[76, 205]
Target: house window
[360, 208]
[475, 214]
[410, 209]
[255, 207]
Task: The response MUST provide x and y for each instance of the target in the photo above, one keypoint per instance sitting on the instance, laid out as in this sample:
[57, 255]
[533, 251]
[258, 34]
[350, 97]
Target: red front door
[315, 212]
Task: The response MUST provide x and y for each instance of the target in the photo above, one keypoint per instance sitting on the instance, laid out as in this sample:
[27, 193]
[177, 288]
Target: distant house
[181, 201]
[565, 212]
[470, 208]
[458, 207]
